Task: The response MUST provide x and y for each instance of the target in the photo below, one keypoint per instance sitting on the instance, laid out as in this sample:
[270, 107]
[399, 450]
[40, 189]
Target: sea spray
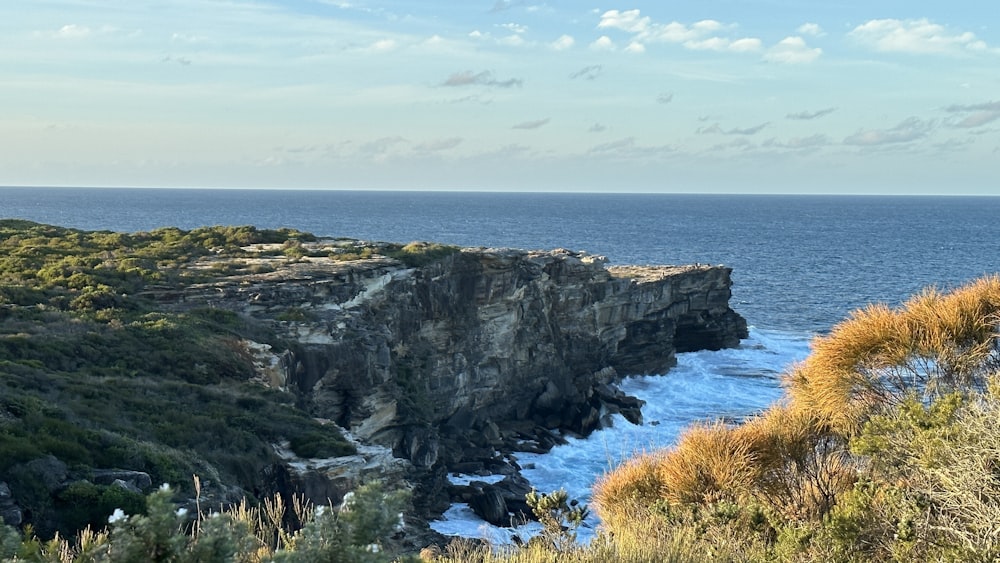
[727, 384]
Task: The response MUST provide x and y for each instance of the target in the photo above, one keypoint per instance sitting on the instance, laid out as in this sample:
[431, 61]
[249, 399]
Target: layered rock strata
[487, 351]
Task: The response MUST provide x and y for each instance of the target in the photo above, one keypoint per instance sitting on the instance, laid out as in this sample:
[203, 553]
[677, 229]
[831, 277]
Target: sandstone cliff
[485, 351]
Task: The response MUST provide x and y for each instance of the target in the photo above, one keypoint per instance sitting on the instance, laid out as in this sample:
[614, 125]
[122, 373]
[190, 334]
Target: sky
[713, 96]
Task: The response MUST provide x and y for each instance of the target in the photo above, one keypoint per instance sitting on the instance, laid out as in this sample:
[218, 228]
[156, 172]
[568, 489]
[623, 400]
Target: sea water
[726, 385]
[800, 265]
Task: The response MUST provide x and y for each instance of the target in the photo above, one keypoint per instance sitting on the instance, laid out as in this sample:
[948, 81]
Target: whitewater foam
[728, 384]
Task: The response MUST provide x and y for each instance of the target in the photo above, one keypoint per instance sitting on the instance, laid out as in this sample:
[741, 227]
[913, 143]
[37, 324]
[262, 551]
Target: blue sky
[712, 96]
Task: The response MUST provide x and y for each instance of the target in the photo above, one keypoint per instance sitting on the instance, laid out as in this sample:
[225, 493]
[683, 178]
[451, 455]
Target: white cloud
[722, 44]
[629, 21]
[512, 40]
[706, 26]
[792, 50]
[382, 46]
[710, 44]
[564, 42]
[635, 47]
[513, 27]
[811, 29]
[704, 35]
[476, 34]
[603, 43]
[915, 36]
[747, 44]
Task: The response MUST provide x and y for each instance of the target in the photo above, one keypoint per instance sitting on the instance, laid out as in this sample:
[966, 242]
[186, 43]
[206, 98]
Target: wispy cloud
[977, 114]
[484, 78]
[811, 114]
[908, 130]
[627, 148]
[438, 145]
[587, 73]
[665, 98]
[381, 146]
[916, 36]
[531, 124]
[597, 128]
[800, 143]
[715, 129]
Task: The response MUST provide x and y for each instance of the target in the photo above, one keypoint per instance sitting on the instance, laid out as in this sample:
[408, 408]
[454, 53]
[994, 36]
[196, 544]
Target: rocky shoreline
[457, 365]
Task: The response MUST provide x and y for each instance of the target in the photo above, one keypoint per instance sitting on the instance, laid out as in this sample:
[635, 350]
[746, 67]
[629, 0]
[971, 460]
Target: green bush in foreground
[354, 532]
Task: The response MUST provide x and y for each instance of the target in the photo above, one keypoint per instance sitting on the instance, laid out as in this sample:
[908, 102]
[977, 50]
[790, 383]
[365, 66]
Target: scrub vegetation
[885, 448]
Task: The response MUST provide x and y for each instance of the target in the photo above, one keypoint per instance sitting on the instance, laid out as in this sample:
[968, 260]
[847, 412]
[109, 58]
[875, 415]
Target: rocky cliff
[455, 363]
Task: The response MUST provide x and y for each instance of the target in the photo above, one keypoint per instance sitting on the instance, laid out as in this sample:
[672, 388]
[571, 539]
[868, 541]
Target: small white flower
[117, 516]
[372, 548]
[181, 512]
[348, 501]
[400, 523]
[320, 510]
[165, 488]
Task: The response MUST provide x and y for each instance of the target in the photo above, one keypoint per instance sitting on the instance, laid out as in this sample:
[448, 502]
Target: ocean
[800, 265]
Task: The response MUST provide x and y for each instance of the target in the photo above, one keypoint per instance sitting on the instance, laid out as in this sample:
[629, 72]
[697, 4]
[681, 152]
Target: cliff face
[482, 350]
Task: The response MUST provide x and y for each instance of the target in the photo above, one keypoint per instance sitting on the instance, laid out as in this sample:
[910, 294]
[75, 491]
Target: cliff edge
[456, 363]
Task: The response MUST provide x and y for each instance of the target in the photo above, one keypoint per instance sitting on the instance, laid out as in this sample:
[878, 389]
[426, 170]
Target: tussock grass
[710, 463]
[922, 481]
[935, 343]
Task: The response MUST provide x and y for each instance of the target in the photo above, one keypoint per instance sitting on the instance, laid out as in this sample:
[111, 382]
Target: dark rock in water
[632, 414]
[489, 504]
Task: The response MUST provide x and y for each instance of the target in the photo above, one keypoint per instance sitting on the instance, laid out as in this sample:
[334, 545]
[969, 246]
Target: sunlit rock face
[480, 352]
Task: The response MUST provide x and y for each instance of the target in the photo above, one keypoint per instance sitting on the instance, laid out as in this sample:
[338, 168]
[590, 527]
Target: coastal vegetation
[95, 373]
[885, 448]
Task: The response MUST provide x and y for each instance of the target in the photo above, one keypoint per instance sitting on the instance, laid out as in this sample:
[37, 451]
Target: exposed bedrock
[487, 351]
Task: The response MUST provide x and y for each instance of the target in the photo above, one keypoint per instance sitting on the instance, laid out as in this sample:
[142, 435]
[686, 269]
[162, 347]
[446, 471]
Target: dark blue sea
[800, 262]
[800, 265]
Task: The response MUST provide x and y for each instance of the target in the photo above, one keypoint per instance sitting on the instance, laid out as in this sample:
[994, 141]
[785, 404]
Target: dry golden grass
[635, 483]
[800, 467]
[710, 463]
[647, 540]
[934, 343]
